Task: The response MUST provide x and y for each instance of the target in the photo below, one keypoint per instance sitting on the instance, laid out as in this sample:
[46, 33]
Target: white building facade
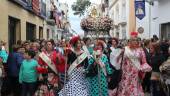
[160, 19]
[119, 13]
[156, 21]
[52, 28]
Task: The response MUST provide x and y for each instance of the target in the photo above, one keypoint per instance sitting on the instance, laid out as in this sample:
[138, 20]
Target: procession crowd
[86, 67]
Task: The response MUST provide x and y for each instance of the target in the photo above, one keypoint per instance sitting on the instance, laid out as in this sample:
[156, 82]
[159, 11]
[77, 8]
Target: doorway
[13, 31]
[165, 31]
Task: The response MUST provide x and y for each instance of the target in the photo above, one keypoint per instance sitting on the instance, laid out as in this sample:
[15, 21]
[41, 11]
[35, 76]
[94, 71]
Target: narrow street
[84, 48]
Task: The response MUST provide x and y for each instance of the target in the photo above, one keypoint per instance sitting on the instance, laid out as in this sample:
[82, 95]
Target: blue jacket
[13, 64]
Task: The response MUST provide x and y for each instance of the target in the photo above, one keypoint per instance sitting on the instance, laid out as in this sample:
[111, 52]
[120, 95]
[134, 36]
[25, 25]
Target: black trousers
[146, 82]
[11, 85]
[156, 88]
[28, 88]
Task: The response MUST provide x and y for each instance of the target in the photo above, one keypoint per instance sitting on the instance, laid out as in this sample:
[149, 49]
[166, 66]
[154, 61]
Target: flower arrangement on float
[96, 24]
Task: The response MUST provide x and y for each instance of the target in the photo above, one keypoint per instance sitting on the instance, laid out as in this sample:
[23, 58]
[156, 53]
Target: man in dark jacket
[12, 73]
[146, 80]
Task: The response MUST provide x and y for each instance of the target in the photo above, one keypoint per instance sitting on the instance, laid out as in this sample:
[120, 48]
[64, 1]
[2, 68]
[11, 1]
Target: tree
[80, 6]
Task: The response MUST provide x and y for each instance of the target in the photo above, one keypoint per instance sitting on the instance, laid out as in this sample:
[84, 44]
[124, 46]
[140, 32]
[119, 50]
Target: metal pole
[150, 19]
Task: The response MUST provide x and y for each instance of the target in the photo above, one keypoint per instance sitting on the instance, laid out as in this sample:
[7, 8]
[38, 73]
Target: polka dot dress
[77, 84]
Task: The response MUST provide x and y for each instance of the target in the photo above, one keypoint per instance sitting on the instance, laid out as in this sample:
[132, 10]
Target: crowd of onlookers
[18, 68]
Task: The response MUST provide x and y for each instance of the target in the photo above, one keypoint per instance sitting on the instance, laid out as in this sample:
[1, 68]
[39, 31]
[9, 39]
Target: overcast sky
[75, 20]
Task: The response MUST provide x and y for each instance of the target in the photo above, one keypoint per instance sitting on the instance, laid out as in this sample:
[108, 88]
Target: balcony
[122, 21]
[22, 3]
[33, 6]
[50, 19]
[43, 10]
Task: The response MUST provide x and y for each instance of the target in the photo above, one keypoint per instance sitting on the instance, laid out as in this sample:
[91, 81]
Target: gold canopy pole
[132, 17]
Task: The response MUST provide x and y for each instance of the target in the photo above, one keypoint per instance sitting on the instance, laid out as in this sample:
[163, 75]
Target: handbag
[92, 70]
[115, 77]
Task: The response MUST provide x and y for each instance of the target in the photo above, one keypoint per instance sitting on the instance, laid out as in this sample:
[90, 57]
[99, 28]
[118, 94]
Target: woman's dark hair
[86, 39]
[146, 42]
[42, 41]
[19, 42]
[52, 42]
[31, 53]
[116, 40]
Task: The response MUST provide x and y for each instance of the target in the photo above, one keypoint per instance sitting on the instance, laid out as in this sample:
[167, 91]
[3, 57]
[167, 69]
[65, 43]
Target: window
[20, 2]
[40, 32]
[124, 10]
[117, 34]
[43, 8]
[117, 12]
[165, 31]
[124, 32]
[30, 31]
[48, 33]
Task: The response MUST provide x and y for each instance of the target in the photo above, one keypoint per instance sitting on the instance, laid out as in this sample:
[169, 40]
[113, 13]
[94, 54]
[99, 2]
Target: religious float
[96, 26]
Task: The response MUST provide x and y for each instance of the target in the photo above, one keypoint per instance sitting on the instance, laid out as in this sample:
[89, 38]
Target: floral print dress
[130, 84]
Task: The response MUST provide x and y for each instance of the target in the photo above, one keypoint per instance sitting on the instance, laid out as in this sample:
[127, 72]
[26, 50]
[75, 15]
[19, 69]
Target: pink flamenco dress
[133, 71]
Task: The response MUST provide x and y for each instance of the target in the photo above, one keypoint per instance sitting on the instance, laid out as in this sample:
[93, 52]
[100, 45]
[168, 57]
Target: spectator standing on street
[35, 47]
[89, 44]
[28, 74]
[155, 38]
[165, 74]
[27, 45]
[146, 80]
[164, 49]
[3, 61]
[156, 60]
[12, 69]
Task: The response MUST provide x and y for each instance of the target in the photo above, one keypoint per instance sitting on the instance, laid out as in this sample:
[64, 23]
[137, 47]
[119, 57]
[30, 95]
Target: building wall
[10, 9]
[144, 23]
[124, 14]
[118, 11]
[160, 14]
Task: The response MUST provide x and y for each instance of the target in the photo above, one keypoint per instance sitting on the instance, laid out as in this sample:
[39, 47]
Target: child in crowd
[28, 74]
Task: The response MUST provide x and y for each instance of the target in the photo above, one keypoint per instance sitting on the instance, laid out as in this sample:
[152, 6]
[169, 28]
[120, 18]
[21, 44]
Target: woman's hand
[40, 78]
[83, 44]
[67, 50]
